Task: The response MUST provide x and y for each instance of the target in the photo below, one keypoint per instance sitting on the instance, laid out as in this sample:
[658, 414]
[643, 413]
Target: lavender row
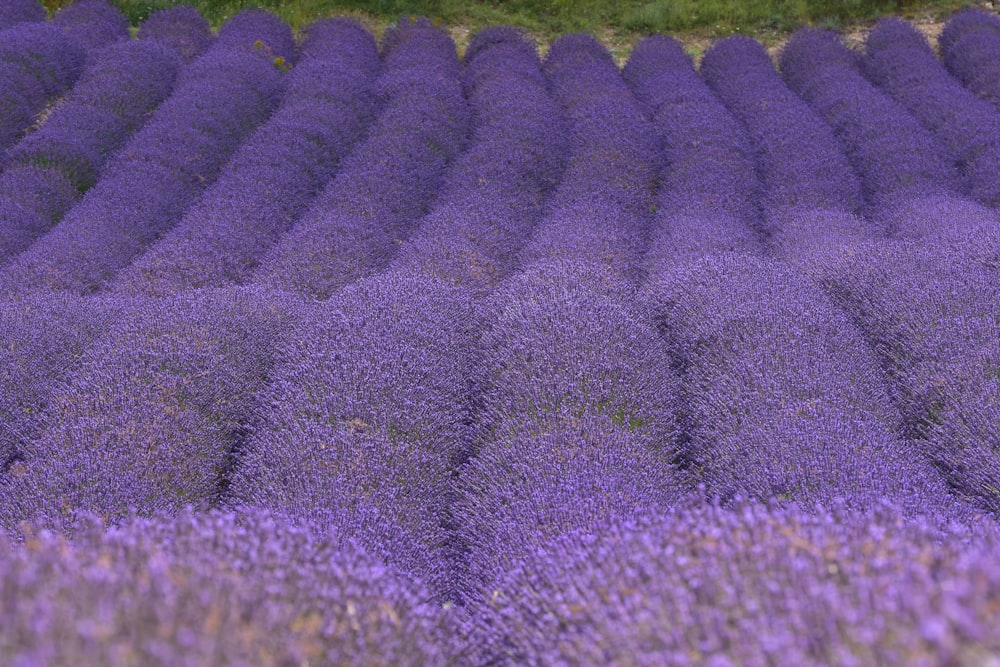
[93, 24]
[43, 340]
[970, 48]
[600, 211]
[152, 180]
[782, 397]
[930, 313]
[907, 176]
[115, 96]
[495, 193]
[707, 199]
[38, 62]
[365, 418]
[575, 421]
[220, 589]
[150, 418]
[354, 226]
[811, 195]
[275, 173]
[13, 12]
[751, 586]
[900, 60]
[181, 28]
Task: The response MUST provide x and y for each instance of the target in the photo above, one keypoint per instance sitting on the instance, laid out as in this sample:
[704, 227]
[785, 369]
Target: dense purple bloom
[181, 28]
[260, 32]
[782, 395]
[901, 61]
[930, 314]
[495, 192]
[116, 95]
[970, 48]
[355, 225]
[42, 340]
[93, 24]
[219, 589]
[707, 200]
[755, 586]
[366, 418]
[577, 415]
[811, 195]
[218, 100]
[38, 62]
[276, 172]
[600, 211]
[13, 12]
[895, 155]
[149, 419]
[802, 165]
[964, 22]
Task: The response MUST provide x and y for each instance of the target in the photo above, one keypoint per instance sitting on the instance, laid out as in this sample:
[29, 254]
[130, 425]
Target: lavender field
[324, 349]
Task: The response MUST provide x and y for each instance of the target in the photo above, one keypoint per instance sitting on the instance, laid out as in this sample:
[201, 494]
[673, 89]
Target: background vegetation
[549, 18]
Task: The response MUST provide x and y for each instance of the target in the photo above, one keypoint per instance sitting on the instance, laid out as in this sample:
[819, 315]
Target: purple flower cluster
[811, 195]
[708, 189]
[576, 416]
[930, 314]
[115, 96]
[213, 589]
[782, 397]
[355, 225]
[901, 61]
[802, 165]
[970, 48]
[152, 425]
[894, 154]
[181, 28]
[38, 62]
[93, 24]
[218, 100]
[13, 12]
[365, 418]
[600, 212]
[754, 586]
[277, 171]
[42, 340]
[495, 193]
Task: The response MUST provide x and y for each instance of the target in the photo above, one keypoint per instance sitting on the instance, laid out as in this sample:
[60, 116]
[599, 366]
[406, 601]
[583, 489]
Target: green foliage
[550, 18]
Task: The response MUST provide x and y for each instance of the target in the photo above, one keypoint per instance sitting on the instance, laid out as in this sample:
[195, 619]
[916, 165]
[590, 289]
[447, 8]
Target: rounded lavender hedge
[708, 197]
[752, 585]
[277, 171]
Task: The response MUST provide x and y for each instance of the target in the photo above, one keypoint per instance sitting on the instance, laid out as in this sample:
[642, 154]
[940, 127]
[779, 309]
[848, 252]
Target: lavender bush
[600, 211]
[495, 192]
[276, 172]
[754, 585]
[221, 589]
[366, 418]
[902, 63]
[13, 12]
[811, 196]
[151, 427]
[116, 95]
[217, 102]
[92, 24]
[354, 226]
[970, 48]
[708, 193]
[782, 398]
[181, 28]
[38, 62]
